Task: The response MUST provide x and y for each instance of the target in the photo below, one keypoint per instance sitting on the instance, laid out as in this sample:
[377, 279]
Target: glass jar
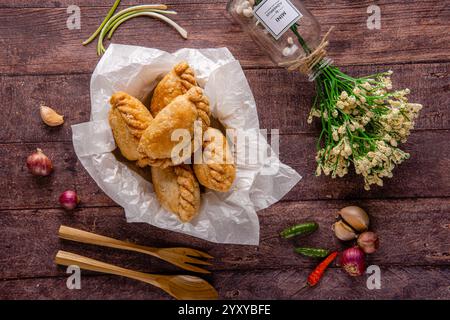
[279, 42]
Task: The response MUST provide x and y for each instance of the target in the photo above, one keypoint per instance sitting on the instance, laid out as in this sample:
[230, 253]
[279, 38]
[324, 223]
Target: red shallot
[39, 164]
[69, 199]
[353, 261]
[368, 242]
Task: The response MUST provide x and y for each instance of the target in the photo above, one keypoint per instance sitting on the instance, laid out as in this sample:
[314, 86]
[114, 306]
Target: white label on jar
[277, 16]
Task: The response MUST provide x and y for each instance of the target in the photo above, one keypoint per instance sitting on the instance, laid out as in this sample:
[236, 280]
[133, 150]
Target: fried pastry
[181, 113]
[217, 170]
[177, 190]
[174, 84]
[128, 119]
[161, 163]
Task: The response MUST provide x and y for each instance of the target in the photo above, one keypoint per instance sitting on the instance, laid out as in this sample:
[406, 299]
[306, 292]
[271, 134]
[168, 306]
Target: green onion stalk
[363, 122]
[112, 21]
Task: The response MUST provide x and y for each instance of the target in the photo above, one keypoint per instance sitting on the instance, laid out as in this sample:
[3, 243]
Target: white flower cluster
[379, 164]
[398, 123]
[364, 126]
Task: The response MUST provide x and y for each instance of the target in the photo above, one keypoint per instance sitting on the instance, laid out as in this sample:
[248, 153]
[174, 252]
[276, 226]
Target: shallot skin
[353, 261]
[39, 164]
[368, 242]
[69, 199]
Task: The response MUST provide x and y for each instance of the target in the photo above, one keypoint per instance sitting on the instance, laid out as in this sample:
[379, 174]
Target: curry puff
[179, 109]
[177, 190]
[182, 113]
[217, 170]
[174, 84]
[128, 119]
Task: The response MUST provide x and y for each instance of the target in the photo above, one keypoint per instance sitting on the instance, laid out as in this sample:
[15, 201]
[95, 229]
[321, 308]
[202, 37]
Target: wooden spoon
[178, 286]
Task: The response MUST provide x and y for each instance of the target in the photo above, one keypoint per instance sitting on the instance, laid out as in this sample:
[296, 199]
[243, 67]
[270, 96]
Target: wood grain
[421, 228]
[396, 283]
[91, 3]
[57, 49]
[20, 189]
[426, 174]
[41, 61]
[284, 107]
[178, 286]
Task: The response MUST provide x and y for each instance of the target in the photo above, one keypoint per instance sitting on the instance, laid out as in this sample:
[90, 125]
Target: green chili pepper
[299, 229]
[313, 252]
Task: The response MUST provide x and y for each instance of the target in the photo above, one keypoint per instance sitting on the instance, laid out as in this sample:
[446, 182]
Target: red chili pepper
[318, 272]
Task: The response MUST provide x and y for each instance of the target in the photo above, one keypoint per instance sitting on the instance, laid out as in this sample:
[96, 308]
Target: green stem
[117, 20]
[99, 29]
[300, 39]
[128, 15]
[110, 20]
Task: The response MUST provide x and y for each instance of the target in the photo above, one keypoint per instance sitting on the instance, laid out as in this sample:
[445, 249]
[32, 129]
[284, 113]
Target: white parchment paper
[224, 217]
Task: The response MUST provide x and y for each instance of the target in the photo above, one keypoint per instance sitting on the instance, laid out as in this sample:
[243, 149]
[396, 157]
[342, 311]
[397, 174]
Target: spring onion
[108, 16]
[113, 21]
[113, 26]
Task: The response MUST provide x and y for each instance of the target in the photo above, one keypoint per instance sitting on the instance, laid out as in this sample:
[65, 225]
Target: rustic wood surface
[42, 61]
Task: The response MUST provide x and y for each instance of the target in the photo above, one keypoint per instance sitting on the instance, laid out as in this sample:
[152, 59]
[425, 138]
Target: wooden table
[42, 61]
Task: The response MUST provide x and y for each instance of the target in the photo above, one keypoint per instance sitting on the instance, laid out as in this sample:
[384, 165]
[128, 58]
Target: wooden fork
[178, 286]
[181, 257]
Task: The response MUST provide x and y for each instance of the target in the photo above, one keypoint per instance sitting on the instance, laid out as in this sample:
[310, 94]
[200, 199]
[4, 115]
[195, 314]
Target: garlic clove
[51, 117]
[245, 4]
[248, 12]
[286, 51]
[356, 217]
[294, 49]
[289, 51]
[343, 232]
